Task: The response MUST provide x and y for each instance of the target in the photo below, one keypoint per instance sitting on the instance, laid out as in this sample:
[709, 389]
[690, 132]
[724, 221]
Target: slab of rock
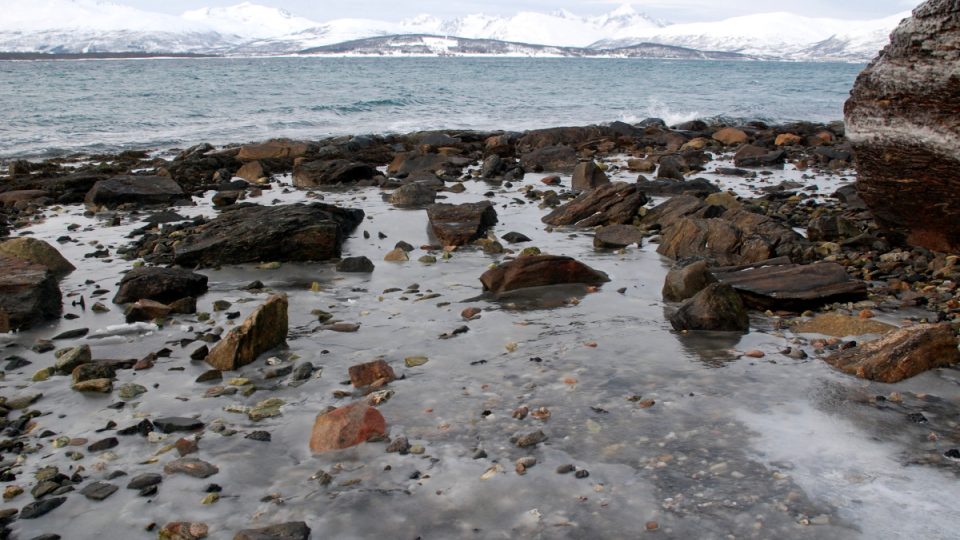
[144, 480]
[163, 285]
[263, 330]
[426, 165]
[686, 281]
[413, 195]
[277, 149]
[610, 204]
[171, 424]
[38, 252]
[191, 467]
[757, 156]
[294, 530]
[793, 286]
[460, 224]
[98, 491]
[29, 292]
[840, 325]
[40, 508]
[902, 120]
[617, 236]
[252, 233]
[588, 175]
[716, 308]
[308, 174]
[347, 426]
[139, 190]
[699, 187]
[901, 354]
[539, 271]
[362, 375]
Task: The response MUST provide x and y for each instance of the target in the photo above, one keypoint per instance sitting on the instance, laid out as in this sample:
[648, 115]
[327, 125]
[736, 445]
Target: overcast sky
[672, 10]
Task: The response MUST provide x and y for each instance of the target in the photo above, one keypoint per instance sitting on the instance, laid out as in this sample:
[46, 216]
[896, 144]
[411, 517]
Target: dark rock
[139, 190]
[617, 236]
[412, 195]
[901, 354]
[29, 293]
[699, 187]
[172, 424]
[105, 444]
[356, 265]
[263, 330]
[717, 308]
[252, 171]
[226, 198]
[560, 158]
[146, 310]
[71, 334]
[686, 281]
[191, 467]
[672, 168]
[98, 491]
[262, 436]
[756, 156]
[294, 530]
[426, 166]
[92, 371]
[531, 439]
[308, 174]
[297, 232]
[588, 175]
[399, 445]
[616, 203]
[275, 149]
[144, 480]
[159, 284]
[40, 508]
[792, 286]
[200, 165]
[347, 426]
[515, 238]
[457, 225]
[539, 271]
[831, 228]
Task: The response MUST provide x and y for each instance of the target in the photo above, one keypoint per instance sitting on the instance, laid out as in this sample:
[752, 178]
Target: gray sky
[672, 10]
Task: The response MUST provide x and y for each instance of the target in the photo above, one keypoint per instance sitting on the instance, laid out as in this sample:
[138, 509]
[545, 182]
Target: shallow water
[733, 447]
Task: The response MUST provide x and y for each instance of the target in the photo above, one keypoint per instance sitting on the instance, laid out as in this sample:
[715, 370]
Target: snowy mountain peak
[625, 10]
[249, 20]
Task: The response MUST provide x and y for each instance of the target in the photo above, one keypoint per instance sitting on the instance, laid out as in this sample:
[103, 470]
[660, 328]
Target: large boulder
[263, 330]
[252, 233]
[164, 285]
[28, 293]
[347, 426]
[539, 271]
[900, 355]
[38, 252]
[588, 175]
[459, 224]
[616, 203]
[139, 190]
[792, 286]
[716, 308]
[902, 120]
[308, 174]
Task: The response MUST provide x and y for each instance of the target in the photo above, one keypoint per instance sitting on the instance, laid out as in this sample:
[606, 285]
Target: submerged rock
[361, 265]
[347, 426]
[900, 355]
[717, 308]
[163, 285]
[460, 224]
[263, 330]
[539, 271]
[29, 293]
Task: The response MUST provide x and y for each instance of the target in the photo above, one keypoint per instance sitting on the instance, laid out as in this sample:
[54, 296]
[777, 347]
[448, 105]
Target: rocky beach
[700, 330]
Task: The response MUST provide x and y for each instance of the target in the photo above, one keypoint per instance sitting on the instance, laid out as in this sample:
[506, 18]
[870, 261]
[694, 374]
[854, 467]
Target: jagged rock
[38, 252]
[539, 271]
[139, 190]
[28, 292]
[163, 285]
[347, 426]
[617, 236]
[900, 355]
[686, 281]
[792, 286]
[263, 330]
[717, 308]
[676, 208]
[294, 530]
[560, 158]
[616, 203]
[252, 233]
[308, 174]
[413, 194]
[588, 175]
[456, 225]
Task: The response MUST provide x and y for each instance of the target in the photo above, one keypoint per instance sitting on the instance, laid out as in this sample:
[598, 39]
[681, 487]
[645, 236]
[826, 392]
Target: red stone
[347, 426]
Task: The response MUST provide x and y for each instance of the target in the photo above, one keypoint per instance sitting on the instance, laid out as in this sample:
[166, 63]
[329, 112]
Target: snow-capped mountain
[71, 26]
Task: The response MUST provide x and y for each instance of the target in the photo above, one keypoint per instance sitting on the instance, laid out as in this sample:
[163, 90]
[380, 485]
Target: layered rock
[460, 224]
[903, 118]
[263, 330]
[900, 355]
[793, 286]
[616, 203]
[539, 271]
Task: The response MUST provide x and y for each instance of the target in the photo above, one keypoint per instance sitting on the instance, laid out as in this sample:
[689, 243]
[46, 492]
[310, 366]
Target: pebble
[192, 467]
[98, 491]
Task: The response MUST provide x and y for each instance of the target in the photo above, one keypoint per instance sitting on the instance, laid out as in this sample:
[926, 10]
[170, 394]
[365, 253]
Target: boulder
[360, 265]
[672, 168]
[539, 271]
[641, 165]
[164, 285]
[309, 174]
[456, 225]
[263, 330]
[252, 233]
[414, 194]
[294, 530]
[588, 175]
[426, 166]
[792, 286]
[757, 156]
[560, 158]
[686, 281]
[277, 149]
[699, 187]
[200, 165]
[138, 190]
[28, 292]
[900, 355]
[38, 252]
[788, 139]
[831, 228]
[362, 375]
[253, 171]
[617, 236]
[716, 308]
[347, 426]
[902, 120]
[730, 136]
[615, 203]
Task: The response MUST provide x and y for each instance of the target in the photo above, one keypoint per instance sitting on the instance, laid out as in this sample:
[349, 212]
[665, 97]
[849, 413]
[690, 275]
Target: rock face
[139, 190]
[588, 175]
[902, 120]
[160, 285]
[38, 252]
[900, 355]
[347, 426]
[456, 225]
[793, 286]
[308, 174]
[294, 530]
[28, 293]
[616, 203]
[263, 330]
[251, 233]
[717, 308]
[539, 271]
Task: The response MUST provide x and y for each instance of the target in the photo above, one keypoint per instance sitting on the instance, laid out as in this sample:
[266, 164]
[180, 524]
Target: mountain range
[83, 26]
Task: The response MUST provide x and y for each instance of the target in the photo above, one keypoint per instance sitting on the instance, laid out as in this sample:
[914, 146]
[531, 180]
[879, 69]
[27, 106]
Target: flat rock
[263, 330]
[663, 187]
[38, 252]
[42, 507]
[98, 491]
[308, 174]
[840, 325]
[164, 285]
[792, 286]
[615, 203]
[294, 530]
[556, 158]
[347, 426]
[29, 292]
[191, 467]
[139, 190]
[146, 310]
[426, 165]
[901, 354]
[412, 195]
[539, 271]
[144, 480]
[171, 424]
[715, 308]
[460, 224]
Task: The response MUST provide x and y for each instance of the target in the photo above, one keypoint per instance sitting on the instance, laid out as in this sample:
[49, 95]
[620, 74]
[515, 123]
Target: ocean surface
[57, 107]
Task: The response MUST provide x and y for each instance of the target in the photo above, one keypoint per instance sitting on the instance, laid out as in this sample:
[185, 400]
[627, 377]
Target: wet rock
[173, 424]
[37, 252]
[686, 281]
[362, 375]
[104, 444]
[42, 507]
[830, 228]
[901, 354]
[308, 174]
[716, 308]
[191, 467]
[457, 225]
[426, 166]
[347, 426]
[139, 190]
[356, 265]
[68, 359]
[699, 187]
[412, 195]
[396, 255]
[538, 271]
[558, 158]
[144, 481]
[29, 292]
[588, 175]
[100, 386]
[294, 530]
[672, 168]
[225, 198]
[515, 238]
[757, 156]
[617, 236]
[253, 171]
[730, 136]
[146, 310]
[163, 285]
[183, 530]
[615, 203]
[276, 149]
[901, 119]
[251, 233]
[92, 371]
[98, 491]
[840, 325]
[792, 286]
[263, 330]
[399, 445]
[531, 439]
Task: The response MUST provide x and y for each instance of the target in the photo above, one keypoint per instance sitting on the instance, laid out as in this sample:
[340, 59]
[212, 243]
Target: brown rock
[101, 386]
[38, 252]
[788, 139]
[263, 330]
[159, 284]
[588, 175]
[756, 156]
[685, 282]
[456, 225]
[28, 292]
[308, 174]
[617, 236]
[730, 136]
[900, 355]
[716, 308]
[840, 325]
[641, 165]
[139, 190]
[539, 271]
[615, 203]
[183, 530]
[275, 149]
[294, 530]
[10, 198]
[471, 313]
[347, 426]
[558, 158]
[252, 171]
[362, 375]
[426, 165]
[792, 286]
[146, 310]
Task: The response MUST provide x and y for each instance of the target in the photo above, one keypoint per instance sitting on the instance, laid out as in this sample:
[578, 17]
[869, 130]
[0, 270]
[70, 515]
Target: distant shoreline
[98, 56]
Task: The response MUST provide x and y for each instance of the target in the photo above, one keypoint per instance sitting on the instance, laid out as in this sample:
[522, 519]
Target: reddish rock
[426, 165]
[788, 139]
[146, 310]
[347, 426]
[539, 271]
[275, 149]
[731, 136]
[617, 236]
[252, 171]
[471, 313]
[900, 355]
[263, 330]
[362, 375]
[456, 225]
